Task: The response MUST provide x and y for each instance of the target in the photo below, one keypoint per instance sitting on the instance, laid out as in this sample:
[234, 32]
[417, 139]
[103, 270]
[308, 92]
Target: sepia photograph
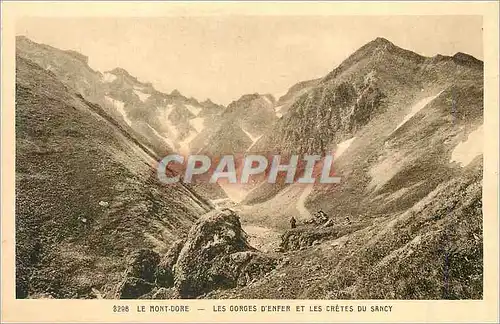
[299, 157]
[403, 122]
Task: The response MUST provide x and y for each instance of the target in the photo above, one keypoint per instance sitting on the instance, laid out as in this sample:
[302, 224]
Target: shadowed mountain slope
[86, 192]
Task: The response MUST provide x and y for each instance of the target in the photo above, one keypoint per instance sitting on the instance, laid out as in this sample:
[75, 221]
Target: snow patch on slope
[416, 108]
[390, 164]
[197, 123]
[184, 145]
[268, 101]
[51, 68]
[278, 112]
[108, 77]
[253, 138]
[194, 110]
[253, 143]
[165, 139]
[164, 113]
[467, 150]
[343, 146]
[142, 96]
[120, 107]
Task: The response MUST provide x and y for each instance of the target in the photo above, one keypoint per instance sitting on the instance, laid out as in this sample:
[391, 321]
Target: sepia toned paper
[401, 98]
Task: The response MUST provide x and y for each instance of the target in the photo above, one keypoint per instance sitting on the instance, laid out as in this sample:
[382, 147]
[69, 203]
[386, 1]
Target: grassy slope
[431, 251]
[70, 156]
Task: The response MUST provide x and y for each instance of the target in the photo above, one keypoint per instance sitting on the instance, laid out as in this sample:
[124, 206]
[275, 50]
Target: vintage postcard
[250, 162]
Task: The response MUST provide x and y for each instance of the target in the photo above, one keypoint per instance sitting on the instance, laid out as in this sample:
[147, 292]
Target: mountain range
[405, 131]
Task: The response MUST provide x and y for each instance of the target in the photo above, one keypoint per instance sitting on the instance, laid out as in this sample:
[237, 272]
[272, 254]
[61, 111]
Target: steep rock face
[170, 121]
[414, 210]
[366, 84]
[241, 124]
[378, 94]
[253, 112]
[217, 255]
[344, 110]
[388, 169]
[284, 102]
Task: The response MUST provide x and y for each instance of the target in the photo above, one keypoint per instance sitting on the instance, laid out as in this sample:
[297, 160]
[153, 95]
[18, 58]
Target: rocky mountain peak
[466, 59]
[175, 93]
[248, 97]
[381, 41]
[380, 46]
[122, 72]
[208, 102]
[378, 52]
[79, 56]
[22, 38]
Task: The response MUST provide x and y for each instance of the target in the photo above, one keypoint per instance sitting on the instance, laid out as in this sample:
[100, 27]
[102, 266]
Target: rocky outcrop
[217, 255]
[305, 236]
[164, 273]
[133, 288]
[140, 274]
[142, 264]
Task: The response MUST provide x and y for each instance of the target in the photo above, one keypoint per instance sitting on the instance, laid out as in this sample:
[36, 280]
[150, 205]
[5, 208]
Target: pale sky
[224, 57]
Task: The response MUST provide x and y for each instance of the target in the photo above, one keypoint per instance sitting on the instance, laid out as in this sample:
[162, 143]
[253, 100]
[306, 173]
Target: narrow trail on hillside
[304, 213]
